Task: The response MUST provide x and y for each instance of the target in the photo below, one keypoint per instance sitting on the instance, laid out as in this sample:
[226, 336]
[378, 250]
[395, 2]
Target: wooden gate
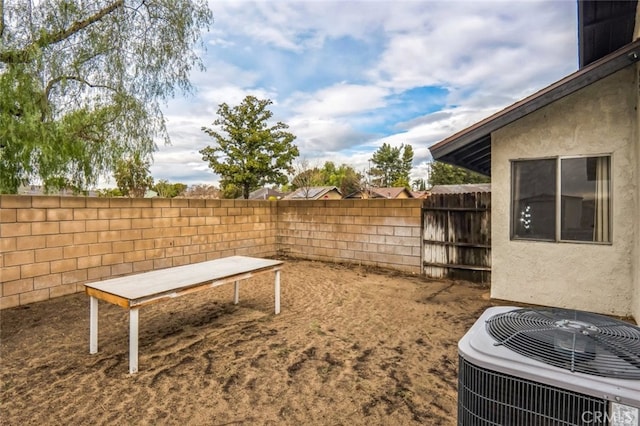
[456, 236]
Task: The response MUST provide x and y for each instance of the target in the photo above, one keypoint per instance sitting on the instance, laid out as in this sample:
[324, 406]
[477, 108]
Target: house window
[562, 199]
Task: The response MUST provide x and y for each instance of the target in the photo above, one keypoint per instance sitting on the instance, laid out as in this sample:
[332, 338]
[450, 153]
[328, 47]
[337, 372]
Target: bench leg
[133, 340]
[236, 292]
[277, 292]
[93, 325]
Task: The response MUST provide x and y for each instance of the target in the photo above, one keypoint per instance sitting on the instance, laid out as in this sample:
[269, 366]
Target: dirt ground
[352, 345]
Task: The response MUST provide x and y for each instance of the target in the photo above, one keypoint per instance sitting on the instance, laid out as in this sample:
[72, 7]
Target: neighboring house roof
[265, 193]
[460, 189]
[471, 147]
[312, 193]
[390, 192]
[360, 194]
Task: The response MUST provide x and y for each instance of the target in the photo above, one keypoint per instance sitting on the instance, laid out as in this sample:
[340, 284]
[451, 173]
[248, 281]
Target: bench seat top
[162, 281]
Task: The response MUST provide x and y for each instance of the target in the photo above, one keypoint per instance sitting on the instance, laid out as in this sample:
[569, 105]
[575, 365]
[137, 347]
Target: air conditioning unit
[546, 366]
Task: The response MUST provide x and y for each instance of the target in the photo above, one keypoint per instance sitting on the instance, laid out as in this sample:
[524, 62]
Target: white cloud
[342, 105]
[322, 135]
[339, 100]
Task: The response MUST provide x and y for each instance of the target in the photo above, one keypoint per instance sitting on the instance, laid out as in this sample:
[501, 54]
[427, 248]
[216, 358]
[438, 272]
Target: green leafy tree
[109, 192]
[168, 190]
[447, 174]
[419, 185]
[132, 176]
[230, 190]
[344, 177]
[249, 152]
[81, 83]
[392, 166]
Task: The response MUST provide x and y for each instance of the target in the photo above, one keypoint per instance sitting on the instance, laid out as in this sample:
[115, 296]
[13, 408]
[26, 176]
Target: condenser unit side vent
[486, 397]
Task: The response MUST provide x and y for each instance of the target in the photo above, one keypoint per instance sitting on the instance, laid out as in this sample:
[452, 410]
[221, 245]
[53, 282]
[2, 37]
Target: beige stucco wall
[598, 119]
[636, 298]
[636, 257]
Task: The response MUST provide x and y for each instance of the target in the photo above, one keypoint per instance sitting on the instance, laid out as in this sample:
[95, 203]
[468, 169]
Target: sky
[348, 76]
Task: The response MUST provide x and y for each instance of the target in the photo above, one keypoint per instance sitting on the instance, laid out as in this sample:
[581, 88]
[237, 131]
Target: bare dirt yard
[352, 345]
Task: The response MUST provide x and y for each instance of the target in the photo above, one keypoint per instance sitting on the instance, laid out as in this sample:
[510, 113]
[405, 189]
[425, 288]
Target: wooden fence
[457, 236]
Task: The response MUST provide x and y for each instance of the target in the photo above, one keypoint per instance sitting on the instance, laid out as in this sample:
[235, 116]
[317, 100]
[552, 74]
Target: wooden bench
[137, 290]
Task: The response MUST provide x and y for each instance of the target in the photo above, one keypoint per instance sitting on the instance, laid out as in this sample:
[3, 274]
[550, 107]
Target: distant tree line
[249, 153]
[72, 108]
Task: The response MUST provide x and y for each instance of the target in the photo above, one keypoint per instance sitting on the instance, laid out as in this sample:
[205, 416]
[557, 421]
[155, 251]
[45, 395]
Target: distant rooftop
[389, 192]
[460, 189]
[265, 193]
[311, 193]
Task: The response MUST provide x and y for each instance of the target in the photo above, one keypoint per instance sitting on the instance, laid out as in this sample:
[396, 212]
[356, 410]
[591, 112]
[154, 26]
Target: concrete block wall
[383, 233]
[51, 245]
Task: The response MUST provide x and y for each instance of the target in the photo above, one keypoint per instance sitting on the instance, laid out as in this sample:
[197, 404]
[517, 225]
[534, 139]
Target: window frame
[558, 201]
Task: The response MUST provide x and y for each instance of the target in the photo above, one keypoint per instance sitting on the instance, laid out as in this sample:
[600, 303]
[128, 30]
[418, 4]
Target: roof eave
[584, 77]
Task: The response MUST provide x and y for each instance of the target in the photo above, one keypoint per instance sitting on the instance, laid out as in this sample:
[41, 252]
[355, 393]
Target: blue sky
[348, 76]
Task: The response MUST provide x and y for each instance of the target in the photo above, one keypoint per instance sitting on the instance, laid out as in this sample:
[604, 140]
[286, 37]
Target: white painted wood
[93, 325]
[153, 283]
[277, 292]
[140, 289]
[133, 340]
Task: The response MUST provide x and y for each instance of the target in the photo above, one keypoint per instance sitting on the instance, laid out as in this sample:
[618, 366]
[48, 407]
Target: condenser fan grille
[574, 340]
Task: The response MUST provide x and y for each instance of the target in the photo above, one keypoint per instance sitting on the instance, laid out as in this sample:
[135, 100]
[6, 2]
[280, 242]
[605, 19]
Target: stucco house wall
[636, 298]
[599, 119]
[636, 257]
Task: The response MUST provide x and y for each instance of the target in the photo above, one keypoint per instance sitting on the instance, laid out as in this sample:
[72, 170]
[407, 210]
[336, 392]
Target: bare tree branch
[53, 82]
[47, 39]
[56, 80]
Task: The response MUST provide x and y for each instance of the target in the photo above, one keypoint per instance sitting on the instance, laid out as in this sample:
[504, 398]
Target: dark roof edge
[584, 77]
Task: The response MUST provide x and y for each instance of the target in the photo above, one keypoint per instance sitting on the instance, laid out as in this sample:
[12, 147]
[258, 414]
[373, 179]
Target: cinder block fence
[51, 245]
[384, 233]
